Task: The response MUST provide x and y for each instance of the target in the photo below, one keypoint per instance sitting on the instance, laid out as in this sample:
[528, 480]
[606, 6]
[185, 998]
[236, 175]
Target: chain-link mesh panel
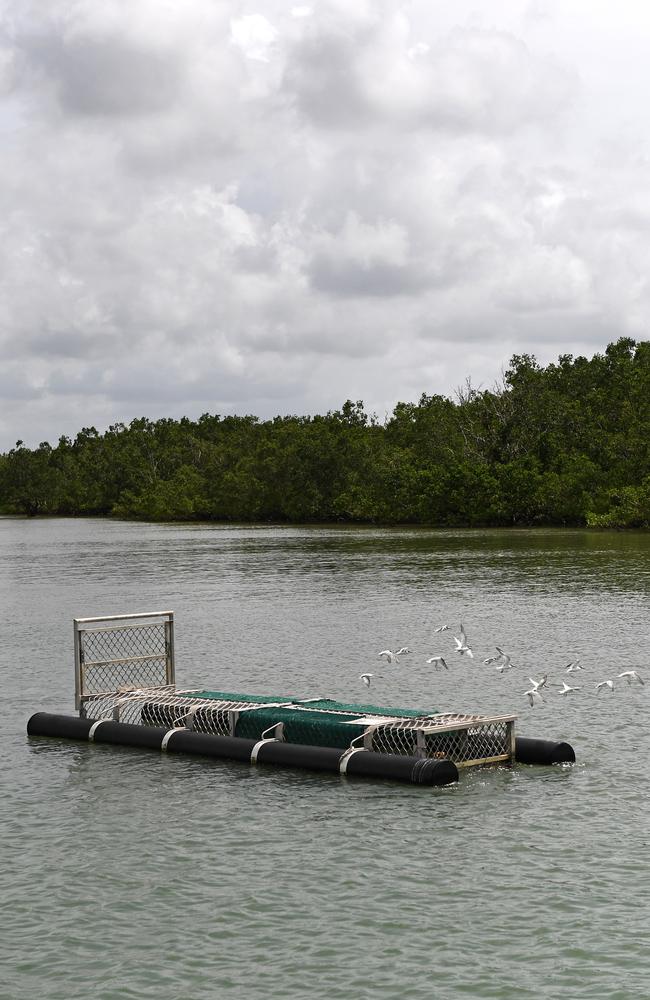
[464, 739]
[129, 655]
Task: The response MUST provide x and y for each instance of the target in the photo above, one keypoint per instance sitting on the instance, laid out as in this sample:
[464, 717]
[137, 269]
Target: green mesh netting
[340, 706]
[329, 723]
[311, 728]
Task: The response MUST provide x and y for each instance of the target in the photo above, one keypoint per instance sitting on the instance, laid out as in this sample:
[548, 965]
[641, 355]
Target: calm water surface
[126, 874]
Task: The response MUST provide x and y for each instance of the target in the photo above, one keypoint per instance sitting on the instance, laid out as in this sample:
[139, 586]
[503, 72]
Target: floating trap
[125, 692]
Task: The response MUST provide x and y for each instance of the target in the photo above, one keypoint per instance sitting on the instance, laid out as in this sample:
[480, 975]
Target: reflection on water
[129, 874]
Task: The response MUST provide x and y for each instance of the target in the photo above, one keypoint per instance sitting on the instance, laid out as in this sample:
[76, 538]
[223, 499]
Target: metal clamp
[350, 752]
[170, 732]
[93, 728]
[345, 757]
[278, 728]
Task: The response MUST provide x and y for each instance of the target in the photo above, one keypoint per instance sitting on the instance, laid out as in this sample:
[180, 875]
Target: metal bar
[126, 659]
[77, 666]
[482, 760]
[122, 628]
[169, 649]
[512, 739]
[117, 618]
[451, 726]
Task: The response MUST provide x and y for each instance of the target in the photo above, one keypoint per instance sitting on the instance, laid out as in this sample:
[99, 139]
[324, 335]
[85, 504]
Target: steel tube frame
[78, 631]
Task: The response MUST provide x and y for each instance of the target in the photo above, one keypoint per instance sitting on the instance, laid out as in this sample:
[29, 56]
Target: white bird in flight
[566, 688]
[439, 661]
[507, 662]
[403, 651]
[461, 644]
[389, 654]
[492, 659]
[631, 675]
[604, 684]
[574, 665]
[442, 628]
[534, 696]
[538, 684]
[366, 679]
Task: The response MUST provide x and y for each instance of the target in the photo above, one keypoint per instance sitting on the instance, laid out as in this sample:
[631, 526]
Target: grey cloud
[322, 77]
[15, 385]
[112, 77]
[345, 278]
[472, 80]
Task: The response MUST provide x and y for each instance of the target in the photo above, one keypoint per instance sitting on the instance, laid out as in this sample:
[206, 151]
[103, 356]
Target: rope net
[465, 739]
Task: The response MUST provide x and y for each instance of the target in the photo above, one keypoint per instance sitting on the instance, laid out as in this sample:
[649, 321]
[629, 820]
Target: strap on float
[277, 728]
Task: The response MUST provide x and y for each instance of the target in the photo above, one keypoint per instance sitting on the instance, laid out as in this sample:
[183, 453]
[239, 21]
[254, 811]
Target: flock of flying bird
[503, 662]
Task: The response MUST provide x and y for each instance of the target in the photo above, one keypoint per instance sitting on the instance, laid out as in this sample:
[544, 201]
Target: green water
[128, 874]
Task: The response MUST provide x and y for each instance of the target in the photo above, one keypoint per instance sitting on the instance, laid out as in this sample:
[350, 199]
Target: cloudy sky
[268, 208]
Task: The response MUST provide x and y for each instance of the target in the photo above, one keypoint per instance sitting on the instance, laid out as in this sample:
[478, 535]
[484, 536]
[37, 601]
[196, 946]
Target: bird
[507, 662]
[403, 651]
[574, 665]
[631, 676]
[389, 654]
[538, 684]
[566, 688]
[534, 696]
[438, 660]
[603, 684]
[461, 644]
[491, 659]
[442, 628]
[366, 679]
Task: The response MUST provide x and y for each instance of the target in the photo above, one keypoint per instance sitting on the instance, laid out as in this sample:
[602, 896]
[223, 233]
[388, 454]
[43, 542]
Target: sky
[270, 208]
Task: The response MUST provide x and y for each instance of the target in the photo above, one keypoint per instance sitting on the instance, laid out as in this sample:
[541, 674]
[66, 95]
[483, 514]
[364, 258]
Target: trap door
[116, 652]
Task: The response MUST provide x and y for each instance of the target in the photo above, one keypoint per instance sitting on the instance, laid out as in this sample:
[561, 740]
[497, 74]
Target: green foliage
[565, 444]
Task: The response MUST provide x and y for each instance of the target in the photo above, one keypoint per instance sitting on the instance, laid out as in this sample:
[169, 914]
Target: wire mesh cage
[467, 740]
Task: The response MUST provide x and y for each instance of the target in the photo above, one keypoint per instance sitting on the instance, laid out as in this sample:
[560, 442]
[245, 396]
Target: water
[128, 874]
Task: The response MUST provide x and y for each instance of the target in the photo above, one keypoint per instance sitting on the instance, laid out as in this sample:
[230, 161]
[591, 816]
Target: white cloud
[269, 209]
[254, 35]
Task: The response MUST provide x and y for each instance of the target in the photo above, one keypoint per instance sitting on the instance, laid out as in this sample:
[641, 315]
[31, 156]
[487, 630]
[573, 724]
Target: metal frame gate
[136, 652]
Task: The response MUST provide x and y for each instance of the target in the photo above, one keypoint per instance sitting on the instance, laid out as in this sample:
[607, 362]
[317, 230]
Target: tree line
[566, 444]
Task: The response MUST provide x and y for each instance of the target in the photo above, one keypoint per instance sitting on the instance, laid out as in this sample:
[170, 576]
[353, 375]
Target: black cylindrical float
[299, 755]
[419, 771]
[66, 726]
[205, 745]
[531, 751]
[129, 735]
[360, 762]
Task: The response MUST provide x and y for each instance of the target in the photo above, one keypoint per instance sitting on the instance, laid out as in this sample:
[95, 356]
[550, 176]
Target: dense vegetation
[565, 444]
